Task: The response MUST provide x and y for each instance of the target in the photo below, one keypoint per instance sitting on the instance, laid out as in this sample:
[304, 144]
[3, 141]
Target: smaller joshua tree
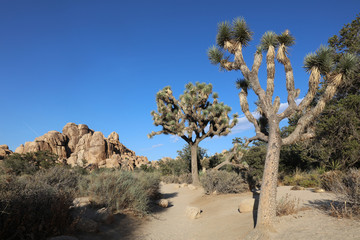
[193, 117]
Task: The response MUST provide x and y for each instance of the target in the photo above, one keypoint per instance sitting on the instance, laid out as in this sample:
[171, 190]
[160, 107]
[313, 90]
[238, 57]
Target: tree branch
[290, 86]
[245, 108]
[314, 81]
[232, 153]
[270, 65]
[310, 115]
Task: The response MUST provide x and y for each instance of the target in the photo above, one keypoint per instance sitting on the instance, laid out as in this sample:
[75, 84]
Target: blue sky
[101, 63]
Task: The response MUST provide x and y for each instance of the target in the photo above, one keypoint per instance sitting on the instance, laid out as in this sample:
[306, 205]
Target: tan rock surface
[81, 146]
[4, 151]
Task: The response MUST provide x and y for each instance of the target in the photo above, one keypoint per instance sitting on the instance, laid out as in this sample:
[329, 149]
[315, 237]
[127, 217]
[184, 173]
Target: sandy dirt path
[221, 220]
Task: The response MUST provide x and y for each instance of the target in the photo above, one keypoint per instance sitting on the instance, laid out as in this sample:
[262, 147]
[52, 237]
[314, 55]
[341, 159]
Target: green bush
[32, 209]
[29, 163]
[303, 179]
[120, 190]
[174, 167]
[223, 182]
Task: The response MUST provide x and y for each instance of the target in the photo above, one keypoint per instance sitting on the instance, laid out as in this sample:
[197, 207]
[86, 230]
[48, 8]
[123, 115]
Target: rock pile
[80, 146]
[4, 151]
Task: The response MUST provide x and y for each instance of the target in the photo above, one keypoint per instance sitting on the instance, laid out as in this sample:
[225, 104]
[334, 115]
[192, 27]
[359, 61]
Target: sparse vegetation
[34, 207]
[287, 206]
[223, 182]
[347, 189]
[29, 163]
[302, 179]
[122, 190]
[183, 178]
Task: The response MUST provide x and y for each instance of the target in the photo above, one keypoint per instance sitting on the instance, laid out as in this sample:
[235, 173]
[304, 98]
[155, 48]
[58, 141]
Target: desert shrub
[183, 178]
[29, 163]
[287, 206]
[174, 167]
[150, 182]
[303, 179]
[121, 190]
[59, 177]
[147, 168]
[329, 179]
[223, 182]
[347, 190]
[32, 209]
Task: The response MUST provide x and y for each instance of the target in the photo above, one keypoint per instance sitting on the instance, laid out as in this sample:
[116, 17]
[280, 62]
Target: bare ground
[221, 220]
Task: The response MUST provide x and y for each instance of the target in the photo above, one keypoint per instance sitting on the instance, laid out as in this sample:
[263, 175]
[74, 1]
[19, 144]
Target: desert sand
[220, 219]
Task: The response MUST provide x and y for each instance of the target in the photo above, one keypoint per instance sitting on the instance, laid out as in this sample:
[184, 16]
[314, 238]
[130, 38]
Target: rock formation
[81, 146]
[4, 151]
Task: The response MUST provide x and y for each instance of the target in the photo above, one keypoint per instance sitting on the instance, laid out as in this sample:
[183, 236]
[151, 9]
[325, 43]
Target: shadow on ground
[125, 226]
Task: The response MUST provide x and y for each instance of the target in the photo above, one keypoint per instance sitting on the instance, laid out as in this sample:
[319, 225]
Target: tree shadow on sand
[256, 196]
[125, 226]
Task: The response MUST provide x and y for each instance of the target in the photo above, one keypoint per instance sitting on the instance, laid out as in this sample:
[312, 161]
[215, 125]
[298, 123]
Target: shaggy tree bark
[192, 117]
[232, 39]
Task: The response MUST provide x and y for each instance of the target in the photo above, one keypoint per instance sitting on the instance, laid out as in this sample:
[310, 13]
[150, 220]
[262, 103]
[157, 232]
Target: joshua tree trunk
[194, 165]
[267, 203]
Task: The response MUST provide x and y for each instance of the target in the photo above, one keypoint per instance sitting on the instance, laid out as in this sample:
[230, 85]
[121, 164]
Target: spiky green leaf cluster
[243, 84]
[241, 31]
[268, 39]
[323, 59]
[347, 64]
[215, 55]
[286, 38]
[224, 33]
[238, 31]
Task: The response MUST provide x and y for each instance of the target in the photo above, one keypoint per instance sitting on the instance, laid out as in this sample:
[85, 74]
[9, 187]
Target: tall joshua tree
[193, 117]
[231, 39]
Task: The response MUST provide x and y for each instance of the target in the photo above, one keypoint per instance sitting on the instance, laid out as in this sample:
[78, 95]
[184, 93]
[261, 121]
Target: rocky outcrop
[4, 151]
[81, 146]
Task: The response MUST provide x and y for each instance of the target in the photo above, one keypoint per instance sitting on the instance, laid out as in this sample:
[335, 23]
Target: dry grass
[121, 190]
[288, 206]
[31, 208]
[344, 211]
[347, 190]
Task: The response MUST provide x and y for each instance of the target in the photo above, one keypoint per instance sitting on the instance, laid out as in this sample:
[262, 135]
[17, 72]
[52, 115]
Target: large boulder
[71, 131]
[96, 150]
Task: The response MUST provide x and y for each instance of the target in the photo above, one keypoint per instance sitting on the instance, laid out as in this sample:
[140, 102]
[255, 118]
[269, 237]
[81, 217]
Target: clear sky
[101, 62]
